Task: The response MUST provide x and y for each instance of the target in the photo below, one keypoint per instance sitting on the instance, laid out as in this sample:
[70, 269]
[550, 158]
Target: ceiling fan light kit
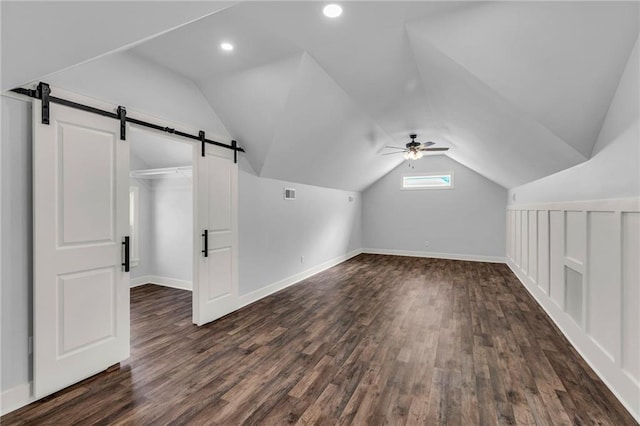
[415, 150]
[413, 155]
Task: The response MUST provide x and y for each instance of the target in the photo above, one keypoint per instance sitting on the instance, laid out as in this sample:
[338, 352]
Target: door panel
[81, 205]
[86, 172]
[90, 295]
[215, 292]
[220, 265]
[219, 174]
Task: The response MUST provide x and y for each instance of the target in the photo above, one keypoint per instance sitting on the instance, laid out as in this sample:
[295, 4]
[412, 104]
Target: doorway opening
[161, 210]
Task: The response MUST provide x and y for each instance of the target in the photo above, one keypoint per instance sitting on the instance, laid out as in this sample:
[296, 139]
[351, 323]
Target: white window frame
[428, 188]
[134, 223]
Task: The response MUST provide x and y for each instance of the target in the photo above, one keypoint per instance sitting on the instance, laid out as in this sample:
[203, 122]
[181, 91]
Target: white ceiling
[518, 90]
[157, 151]
[559, 62]
[42, 37]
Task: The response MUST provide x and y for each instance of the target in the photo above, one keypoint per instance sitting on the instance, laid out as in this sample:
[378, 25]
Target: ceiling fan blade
[391, 153]
[426, 144]
[434, 149]
[395, 147]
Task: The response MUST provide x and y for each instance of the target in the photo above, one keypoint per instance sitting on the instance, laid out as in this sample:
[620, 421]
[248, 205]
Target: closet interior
[161, 210]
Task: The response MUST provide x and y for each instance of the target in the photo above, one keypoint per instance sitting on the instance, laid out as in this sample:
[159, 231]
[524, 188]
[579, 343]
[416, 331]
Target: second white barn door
[81, 215]
[215, 292]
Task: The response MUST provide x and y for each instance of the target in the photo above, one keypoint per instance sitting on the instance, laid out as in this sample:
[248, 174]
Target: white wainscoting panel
[511, 232]
[556, 257]
[631, 294]
[603, 268]
[543, 250]
[524, 234]
[581, 262]
[575, 235]
[533, 246]
[518, 245]
[574, 297]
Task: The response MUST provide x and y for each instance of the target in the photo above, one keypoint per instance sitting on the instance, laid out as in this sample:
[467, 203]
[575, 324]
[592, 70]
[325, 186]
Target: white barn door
[81, 205]
[215, 290]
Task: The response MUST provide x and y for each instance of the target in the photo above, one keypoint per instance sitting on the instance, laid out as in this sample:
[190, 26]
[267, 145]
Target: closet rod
[147, 173]
[37, 94]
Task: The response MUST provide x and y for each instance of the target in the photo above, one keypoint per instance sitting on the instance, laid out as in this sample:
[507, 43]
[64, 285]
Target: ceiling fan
[414, 150]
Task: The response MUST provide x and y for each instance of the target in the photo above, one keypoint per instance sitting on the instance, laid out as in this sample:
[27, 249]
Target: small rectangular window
[430, 181]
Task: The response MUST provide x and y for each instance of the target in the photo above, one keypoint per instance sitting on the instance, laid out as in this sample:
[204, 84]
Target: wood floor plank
[374, 340]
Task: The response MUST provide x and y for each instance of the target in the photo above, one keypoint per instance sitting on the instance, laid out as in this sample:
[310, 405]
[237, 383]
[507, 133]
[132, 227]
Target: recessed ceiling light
[332, 10]
[226, 46]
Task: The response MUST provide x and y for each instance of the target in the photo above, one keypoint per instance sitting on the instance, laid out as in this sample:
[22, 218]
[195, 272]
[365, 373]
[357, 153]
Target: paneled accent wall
[581, 261]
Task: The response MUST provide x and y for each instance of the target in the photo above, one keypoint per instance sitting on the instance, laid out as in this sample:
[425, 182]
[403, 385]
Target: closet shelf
[163, 173]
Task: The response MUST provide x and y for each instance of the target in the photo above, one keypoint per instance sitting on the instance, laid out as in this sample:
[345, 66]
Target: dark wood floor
[377, 339]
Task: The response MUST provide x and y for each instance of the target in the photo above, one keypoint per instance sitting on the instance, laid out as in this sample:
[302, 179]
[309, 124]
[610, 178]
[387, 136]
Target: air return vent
[289, 194]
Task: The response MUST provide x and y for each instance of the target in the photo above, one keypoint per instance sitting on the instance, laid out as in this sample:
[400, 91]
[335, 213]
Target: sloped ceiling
[42, 37]
[156, 151]
[517, 90]
[559, 62]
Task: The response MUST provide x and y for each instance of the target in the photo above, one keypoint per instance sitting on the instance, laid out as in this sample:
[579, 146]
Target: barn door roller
[234, 145]
[122, 115]
[43, 92]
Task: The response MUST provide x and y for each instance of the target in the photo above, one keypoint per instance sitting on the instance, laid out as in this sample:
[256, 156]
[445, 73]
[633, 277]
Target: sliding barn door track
[43, 92]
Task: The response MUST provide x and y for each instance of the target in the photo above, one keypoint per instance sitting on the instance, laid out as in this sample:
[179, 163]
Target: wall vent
[289, 194]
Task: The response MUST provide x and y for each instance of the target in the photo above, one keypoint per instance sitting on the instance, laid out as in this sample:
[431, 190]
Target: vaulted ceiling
[517, 90]
[42, 37]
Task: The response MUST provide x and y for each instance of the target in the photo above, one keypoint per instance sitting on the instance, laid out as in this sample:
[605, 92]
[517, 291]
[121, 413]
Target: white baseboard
[450, 256]
[145, 279]
[254, 296]
[540, 238]
[14, 398]
[619, 384]
[163, 281]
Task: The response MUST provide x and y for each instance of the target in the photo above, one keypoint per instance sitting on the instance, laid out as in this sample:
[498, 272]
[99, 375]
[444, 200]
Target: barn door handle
[126, 263]
[205, 234]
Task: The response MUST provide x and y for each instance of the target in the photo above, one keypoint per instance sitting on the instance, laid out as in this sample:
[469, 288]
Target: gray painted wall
[321, 224]
[466, 220]
[15, 234]
[172, 230]
[127, 79]
[614, 168]
[165, 228]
